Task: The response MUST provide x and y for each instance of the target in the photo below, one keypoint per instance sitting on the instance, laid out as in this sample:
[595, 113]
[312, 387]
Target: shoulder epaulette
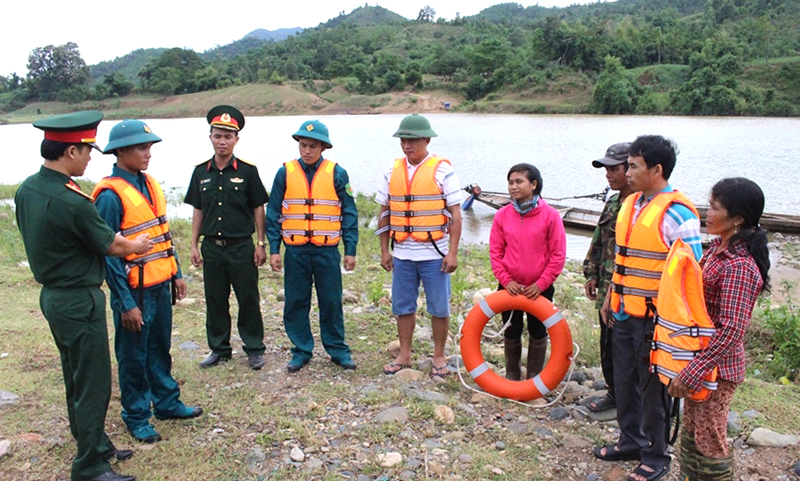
[77, 190]
[203, 163]
[245, 161]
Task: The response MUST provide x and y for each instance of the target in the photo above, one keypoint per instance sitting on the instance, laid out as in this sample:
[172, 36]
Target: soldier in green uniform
[598, 267]
[310, 210]
[66, 241]
[228, 199]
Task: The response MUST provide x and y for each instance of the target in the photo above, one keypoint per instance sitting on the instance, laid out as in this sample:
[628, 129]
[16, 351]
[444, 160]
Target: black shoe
[120, 454]
[213, 359]
[112, 475]
[256, 361]
[347, 365]
[186, 412]
[296, 364]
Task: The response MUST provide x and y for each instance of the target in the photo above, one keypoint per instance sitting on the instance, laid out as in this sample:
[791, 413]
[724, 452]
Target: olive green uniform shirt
[227, 197]
[599, 262]
[65, 238]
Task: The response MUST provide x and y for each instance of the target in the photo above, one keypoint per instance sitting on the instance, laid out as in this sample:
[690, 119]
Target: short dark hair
[211, 130]
[655, 150]
[531, 172]
[52, 150]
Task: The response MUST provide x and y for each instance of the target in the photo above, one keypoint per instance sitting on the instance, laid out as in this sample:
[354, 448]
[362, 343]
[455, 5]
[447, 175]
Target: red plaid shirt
[731, 282]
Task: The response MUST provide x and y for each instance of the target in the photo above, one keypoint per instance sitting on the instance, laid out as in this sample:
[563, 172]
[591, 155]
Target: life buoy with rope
[560, 346]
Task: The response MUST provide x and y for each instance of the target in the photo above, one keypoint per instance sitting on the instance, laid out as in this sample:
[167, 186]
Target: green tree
[426, 14]
[488, 56]
[174, 70]
[616, 91]
[393, 80]
[117, 85]
[54, 70]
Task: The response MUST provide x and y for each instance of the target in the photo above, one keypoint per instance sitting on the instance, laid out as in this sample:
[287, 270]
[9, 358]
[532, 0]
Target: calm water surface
[481, 147]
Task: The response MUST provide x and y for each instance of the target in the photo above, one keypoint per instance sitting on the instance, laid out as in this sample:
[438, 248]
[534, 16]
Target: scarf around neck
[525, 207]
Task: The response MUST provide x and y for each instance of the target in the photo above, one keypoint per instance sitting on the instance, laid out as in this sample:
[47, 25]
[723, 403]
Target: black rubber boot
[537, 351]
[513, 348]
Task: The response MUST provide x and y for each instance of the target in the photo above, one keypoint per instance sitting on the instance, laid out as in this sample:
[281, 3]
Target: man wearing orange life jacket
[420, 200]
[311, 210]
[649, 222]
[131, 202]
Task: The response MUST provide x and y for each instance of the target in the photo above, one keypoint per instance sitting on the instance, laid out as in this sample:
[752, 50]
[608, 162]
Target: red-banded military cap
[226, 117]
[74, 128]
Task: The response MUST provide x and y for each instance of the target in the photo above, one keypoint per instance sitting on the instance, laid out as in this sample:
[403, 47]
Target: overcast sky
[109, 29]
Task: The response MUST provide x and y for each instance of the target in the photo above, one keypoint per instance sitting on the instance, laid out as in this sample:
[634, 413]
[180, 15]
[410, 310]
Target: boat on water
[582, 218]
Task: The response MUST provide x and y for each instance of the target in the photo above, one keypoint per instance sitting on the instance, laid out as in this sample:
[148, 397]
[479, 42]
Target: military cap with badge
[313, 129]
[129, 132]
[225, 117]
[74, 128]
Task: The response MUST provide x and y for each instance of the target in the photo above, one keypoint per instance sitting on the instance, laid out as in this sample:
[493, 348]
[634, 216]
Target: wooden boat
[581, 218]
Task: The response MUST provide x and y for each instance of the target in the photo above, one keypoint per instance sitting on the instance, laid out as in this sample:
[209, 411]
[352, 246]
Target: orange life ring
[560, 346]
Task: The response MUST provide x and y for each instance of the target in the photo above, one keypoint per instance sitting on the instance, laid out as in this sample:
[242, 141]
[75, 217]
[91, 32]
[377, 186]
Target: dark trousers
[77, 319]
[306, 265]
[606, 356]
[641, 398]
[224, 267]
[145, 364]
[536, 329]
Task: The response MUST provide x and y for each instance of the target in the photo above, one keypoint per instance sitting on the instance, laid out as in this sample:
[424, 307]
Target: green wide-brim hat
[415, 126]
[313, 129]
[127, 133]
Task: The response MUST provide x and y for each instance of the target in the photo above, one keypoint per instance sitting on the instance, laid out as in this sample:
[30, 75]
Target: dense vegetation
[688, 57]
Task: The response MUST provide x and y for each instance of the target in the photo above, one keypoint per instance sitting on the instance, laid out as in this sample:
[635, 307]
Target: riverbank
[253, 100]
[324, 423]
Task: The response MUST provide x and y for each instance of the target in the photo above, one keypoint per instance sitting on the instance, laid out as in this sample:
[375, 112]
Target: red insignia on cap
[75, 137]
[225, 120]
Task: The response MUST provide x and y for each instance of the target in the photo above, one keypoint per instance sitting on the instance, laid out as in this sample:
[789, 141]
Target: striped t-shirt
[447, 180]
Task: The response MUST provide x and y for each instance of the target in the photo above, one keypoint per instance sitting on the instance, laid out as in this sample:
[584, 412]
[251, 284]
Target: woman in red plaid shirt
[735, 270]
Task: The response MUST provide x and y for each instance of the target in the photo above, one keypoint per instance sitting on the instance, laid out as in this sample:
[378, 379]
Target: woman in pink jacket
[528, 248]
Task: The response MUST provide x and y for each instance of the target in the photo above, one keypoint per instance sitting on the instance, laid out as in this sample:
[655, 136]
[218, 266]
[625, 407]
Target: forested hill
[687, 57]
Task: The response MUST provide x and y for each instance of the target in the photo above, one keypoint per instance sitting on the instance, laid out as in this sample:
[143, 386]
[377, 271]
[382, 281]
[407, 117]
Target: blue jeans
[405, 287]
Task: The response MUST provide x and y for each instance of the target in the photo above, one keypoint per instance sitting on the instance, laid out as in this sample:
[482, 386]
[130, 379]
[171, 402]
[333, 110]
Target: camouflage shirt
[599, 262]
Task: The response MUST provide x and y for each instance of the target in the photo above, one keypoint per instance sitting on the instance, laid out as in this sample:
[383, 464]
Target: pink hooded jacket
[530, 248]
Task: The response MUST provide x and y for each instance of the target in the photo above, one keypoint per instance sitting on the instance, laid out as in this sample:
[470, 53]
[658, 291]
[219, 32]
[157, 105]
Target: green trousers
[145, 364]
[77, 319]
[224, 267]
[306, 265]
[696, 467]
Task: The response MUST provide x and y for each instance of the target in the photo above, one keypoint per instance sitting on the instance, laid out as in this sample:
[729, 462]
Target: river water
[481, 147]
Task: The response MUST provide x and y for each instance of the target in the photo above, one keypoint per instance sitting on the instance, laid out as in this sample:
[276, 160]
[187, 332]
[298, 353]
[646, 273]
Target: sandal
[602, 403]
[614, 454]
[394, 367]
[441, 372]
[657, 473]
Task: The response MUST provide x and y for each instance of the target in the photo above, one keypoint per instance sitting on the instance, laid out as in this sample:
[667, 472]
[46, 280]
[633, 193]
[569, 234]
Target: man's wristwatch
[261, 244]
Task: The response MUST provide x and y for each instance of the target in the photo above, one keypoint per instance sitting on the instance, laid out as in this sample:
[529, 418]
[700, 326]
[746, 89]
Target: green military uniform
[599, 265]
[227, 198]
[66, 240]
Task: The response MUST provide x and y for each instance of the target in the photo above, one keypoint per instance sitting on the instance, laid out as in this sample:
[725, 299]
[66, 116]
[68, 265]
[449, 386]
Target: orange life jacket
[311, 214]
[417, 208]
[683, 327]
[641, 253]
[139, 216]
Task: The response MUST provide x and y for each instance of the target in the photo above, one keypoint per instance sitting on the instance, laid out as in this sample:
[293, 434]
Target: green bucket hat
[415, 126]
[127, 133]
[313, 129]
